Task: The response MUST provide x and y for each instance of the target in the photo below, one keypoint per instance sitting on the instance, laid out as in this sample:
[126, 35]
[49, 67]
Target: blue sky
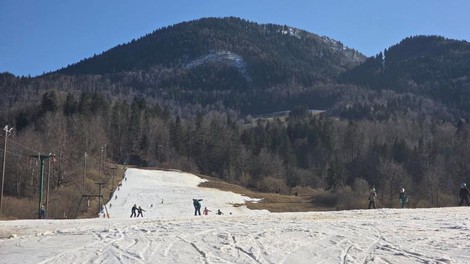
[42, 36]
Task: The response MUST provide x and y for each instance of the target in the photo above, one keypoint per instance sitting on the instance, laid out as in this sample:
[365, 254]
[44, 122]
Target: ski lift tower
[41, 159]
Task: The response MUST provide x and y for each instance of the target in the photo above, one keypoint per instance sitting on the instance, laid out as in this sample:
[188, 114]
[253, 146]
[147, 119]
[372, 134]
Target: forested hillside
[188, 96]
[430, 66]
[242, 65]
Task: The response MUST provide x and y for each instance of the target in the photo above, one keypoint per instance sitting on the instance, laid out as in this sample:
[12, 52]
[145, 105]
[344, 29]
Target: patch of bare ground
[7, 217]
[269, 201]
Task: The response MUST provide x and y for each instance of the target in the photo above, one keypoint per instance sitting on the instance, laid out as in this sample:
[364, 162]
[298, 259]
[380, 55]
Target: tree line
[319, 151]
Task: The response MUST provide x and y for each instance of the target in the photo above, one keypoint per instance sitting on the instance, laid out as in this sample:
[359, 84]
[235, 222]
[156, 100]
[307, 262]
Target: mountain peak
[251, 43]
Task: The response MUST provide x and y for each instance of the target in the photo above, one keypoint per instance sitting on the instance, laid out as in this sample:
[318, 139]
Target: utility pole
[48, 182]
[159, 149]
[104, 155]
[114, 173]
[101, 159]
[7, 133]
[59, 179]
[84, 172]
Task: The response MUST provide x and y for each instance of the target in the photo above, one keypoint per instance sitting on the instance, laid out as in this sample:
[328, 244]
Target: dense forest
[187, 97]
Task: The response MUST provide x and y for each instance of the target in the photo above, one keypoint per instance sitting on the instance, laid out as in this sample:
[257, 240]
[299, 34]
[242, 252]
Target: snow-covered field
[170, 233]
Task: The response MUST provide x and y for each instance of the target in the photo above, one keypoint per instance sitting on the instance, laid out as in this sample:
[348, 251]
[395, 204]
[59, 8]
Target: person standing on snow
[463, 194]
[42, 212]
[403, 198]
[140, 210]
[133, 211]
[372, 196]
[206, 211]
[197, 206]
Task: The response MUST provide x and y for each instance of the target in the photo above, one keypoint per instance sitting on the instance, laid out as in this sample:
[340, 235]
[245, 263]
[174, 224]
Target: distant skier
[464, 193]
[140, 210]
[197, 206]
[403, 198]
[42, 212]
[219, 212]
[134, 211]
[372, 196]
[206, 211]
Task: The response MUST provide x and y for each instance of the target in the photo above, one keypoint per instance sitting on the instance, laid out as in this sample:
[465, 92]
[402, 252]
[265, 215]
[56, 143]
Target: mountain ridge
[431, 66]
[260, 68]
[178, 44]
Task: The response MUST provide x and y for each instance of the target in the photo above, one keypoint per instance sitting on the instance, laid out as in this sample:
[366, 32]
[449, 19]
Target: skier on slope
[197, 206]
[463, 194]
[206, 211]
[372, 196]
[140, 210]
[133, 211]
[403, 198]
[42, 212]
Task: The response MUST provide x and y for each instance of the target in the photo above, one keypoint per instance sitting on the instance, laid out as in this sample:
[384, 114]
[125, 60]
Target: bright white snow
[149, 188]
[170, 233]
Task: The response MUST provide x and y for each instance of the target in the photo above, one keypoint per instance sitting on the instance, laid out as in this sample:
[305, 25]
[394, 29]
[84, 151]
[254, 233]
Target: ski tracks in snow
[379, 236]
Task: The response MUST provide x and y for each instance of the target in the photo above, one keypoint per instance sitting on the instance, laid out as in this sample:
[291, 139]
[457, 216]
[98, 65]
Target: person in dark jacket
[403, 198]
[140, 210]
[133, 211]
[42, 212]
[463, 194]
[372, 196]
[197, 206]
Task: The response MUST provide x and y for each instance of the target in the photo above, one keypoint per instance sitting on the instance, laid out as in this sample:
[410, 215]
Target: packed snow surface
[170, 233]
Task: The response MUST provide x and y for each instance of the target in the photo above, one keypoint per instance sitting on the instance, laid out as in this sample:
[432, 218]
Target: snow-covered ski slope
[170, 233]
[164, 194]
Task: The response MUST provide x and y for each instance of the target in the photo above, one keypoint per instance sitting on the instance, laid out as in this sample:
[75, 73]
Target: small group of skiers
[373, 195]
[197, 208]
[137, 211]
[403, 198]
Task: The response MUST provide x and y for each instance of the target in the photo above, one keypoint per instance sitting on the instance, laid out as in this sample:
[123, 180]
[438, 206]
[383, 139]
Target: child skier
[206, 211]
